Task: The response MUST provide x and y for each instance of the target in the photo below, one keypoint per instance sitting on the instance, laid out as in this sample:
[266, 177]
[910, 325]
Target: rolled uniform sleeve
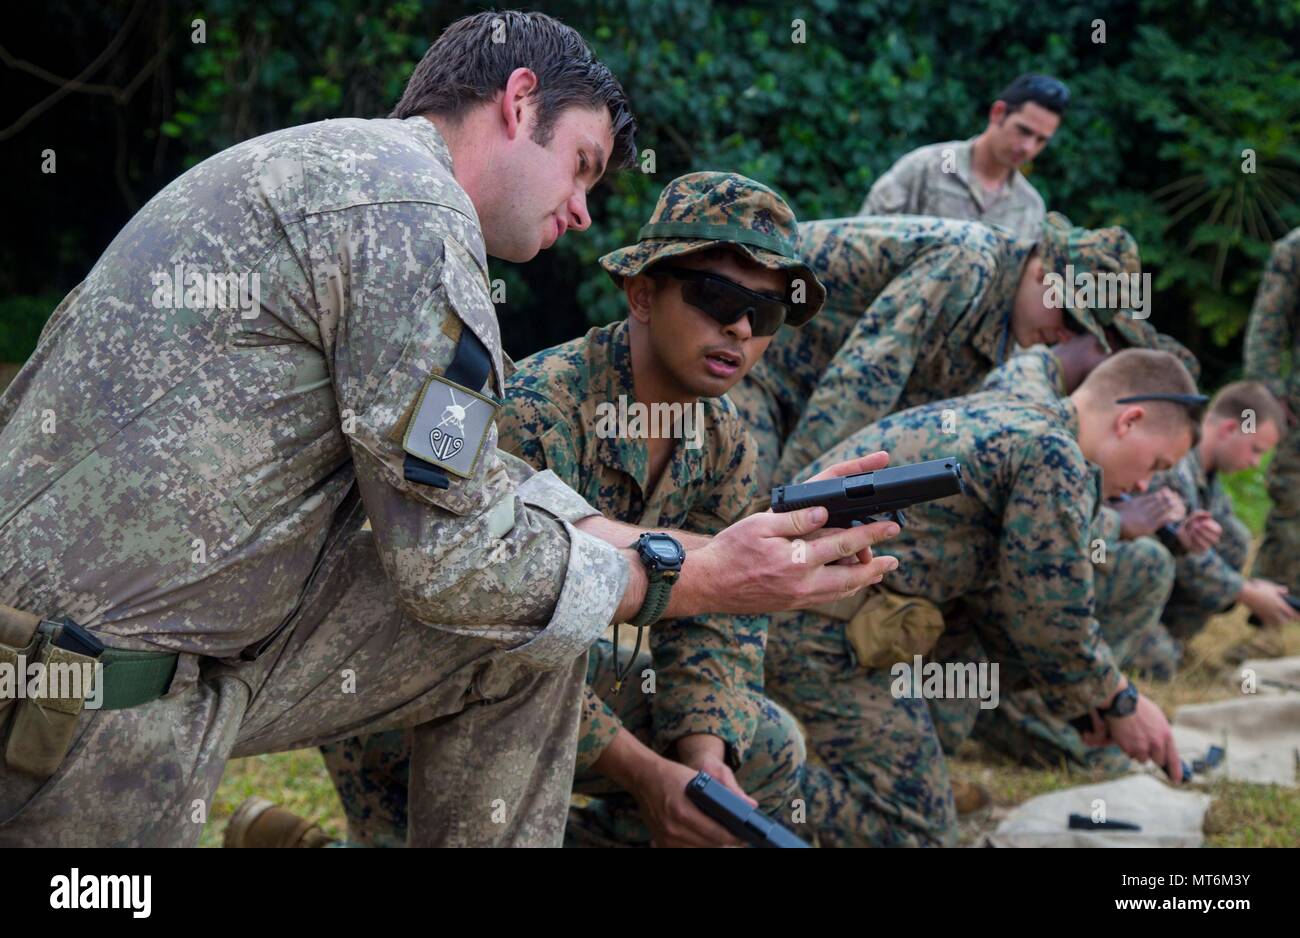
[494, 555]
[1044, 606]
[1208, 579]
[538, 432]
[709, 669]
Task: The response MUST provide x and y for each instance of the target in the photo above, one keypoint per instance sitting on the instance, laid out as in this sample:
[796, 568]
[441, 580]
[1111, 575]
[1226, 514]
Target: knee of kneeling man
[1154, 561]
[778, 747]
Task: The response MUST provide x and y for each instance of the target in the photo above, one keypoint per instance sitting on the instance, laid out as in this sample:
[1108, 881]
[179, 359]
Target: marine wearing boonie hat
[700, 211]
[1096, 251]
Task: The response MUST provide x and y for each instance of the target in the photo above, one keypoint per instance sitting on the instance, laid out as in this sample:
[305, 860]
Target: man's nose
[741, 329]
[577, 216]
[1143, 484]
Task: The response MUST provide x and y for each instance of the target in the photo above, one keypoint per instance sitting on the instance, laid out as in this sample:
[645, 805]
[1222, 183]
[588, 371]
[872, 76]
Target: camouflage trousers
[493, 744]
[1184, 614]
[876, 774]
[771, 774]
[1132, 591]
[1131, 587]
[371, 773]
[1279, 554]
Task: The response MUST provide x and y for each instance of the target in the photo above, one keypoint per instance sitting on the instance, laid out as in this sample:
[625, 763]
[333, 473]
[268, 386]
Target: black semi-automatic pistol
[861, 498]
[734, 813]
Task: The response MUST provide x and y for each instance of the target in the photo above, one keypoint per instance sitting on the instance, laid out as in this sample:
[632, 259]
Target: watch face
[666, 551]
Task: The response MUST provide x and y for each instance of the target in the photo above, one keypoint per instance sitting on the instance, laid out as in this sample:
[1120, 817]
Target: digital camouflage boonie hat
[1094, 251]
[699, 211]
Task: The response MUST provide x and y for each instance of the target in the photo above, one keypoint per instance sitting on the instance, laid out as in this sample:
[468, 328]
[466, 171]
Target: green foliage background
[1163, 110]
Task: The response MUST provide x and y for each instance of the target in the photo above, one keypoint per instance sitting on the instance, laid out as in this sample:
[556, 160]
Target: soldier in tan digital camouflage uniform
[979, 179]
[187, 477]
[706, 711]
[1273, 340]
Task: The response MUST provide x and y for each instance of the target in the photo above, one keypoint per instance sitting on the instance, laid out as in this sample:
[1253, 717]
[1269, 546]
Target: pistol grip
[894, 516]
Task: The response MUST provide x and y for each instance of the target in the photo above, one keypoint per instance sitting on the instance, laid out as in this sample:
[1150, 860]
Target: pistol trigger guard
[897, 518]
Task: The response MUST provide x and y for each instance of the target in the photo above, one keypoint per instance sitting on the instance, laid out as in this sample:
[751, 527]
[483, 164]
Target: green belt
[131, 678]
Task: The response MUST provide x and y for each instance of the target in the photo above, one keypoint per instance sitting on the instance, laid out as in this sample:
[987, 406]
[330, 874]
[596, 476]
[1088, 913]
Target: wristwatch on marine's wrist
[1123, 705]
[662, 557]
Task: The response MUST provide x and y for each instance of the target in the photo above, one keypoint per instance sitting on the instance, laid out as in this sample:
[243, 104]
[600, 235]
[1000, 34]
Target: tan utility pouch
[44, 725]
[18, 642]
[887, 627]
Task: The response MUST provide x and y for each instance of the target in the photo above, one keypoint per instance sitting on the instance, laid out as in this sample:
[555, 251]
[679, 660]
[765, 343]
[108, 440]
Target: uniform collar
[1070, 419]
[1070, 416]
[610, 357]
[612, 381]
[1200, 477]
[1013, 187]
[432, 139]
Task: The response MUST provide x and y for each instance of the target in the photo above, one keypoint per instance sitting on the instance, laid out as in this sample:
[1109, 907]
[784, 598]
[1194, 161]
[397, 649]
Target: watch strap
[1129, 692]
[657, 592]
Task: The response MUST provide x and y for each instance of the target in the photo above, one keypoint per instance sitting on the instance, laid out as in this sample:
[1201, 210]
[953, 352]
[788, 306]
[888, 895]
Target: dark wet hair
[473, 58]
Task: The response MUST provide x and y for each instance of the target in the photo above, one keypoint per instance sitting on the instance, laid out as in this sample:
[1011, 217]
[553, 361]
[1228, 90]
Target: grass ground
[1241, 816]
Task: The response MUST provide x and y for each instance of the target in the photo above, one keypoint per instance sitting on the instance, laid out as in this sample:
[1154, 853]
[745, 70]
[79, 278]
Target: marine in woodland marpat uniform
[918, 309]
[1273, 339]
[1009, 563]
[1242, 424]
[1132, 578]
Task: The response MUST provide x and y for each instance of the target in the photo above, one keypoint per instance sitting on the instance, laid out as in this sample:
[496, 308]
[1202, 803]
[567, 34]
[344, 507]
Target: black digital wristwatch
[662, 557]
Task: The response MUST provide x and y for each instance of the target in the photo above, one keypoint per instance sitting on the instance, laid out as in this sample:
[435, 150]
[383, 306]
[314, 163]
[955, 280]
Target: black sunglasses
[725, 301]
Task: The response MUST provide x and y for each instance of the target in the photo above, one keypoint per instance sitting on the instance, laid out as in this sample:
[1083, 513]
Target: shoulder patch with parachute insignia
[449, 426]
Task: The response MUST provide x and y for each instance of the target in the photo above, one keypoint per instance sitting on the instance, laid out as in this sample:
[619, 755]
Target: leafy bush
[21, 321]
[1163, 110]
[1248, 490]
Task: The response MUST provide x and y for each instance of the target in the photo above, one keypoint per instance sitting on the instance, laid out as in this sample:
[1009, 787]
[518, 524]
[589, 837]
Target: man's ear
[517, 102]
[1128, 419]
[1035, 269]
[998, 112]
[640, 293]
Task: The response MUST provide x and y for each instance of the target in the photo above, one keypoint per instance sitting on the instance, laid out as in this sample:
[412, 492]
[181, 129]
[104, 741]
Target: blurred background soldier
[979, 179]
[1273, 341]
